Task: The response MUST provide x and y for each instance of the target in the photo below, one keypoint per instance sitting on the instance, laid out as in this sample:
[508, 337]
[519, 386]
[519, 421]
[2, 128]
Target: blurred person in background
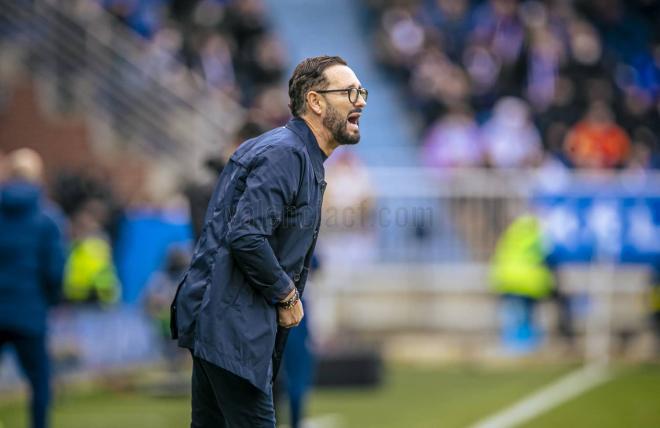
[90, 275]
[449, 22]
[453, 141]
[597, 141]
[496, 25]
[510, 138]
[215, 63]
[31, 268]
[269, 108]
[299, 360]
[348, 210]
[520, 274]
[87, 198]
[158, 296]
[242, 291]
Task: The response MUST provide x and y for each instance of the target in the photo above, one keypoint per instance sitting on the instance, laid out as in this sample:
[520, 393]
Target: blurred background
[491, 249]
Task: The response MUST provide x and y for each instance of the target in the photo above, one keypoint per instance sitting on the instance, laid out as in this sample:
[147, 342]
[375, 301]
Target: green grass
[106, 410]
[449, 397]
[410, 397]
[631, 399]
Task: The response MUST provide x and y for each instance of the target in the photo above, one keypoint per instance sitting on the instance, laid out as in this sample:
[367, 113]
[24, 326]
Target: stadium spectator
[348, 209]
[31, 266]
[217, 65]
[351, 187]
[399, 40]
[438, 84]
[454, 140]
[158, 295]
[269, 108]
[73, 189]
[597, 141]
[511, 139]
[448, 22]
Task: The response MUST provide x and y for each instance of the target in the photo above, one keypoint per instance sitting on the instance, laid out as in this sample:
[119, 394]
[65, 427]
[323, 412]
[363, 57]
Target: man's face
[341, 117]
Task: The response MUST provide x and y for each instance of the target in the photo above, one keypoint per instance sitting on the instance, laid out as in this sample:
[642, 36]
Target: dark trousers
[33, 358]
[222, 399]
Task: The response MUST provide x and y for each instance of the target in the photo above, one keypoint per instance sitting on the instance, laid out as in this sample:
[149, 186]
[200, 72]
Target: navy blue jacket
[256, 245]
[31, 259]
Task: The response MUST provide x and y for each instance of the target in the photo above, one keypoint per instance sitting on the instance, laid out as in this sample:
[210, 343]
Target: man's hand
[291, 317]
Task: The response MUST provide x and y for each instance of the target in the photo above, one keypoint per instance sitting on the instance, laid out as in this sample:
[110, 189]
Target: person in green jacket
[90, 274]
[519, 273]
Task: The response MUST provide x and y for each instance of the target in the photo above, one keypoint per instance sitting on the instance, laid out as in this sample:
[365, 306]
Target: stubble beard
[338, 128]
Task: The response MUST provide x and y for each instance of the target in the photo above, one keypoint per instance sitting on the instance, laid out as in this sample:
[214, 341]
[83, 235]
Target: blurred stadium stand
[130, 92]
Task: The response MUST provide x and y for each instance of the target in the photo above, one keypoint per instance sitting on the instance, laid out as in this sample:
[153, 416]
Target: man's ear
[315, 102]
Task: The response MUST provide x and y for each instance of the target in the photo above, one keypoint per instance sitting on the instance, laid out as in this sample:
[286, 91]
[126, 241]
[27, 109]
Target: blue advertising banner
[614, 221]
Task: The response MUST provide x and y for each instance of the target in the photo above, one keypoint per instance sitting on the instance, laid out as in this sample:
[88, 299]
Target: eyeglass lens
[354, 92]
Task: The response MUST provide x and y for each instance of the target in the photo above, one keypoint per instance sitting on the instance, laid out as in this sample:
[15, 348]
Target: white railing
[456, 216]
[100, 66]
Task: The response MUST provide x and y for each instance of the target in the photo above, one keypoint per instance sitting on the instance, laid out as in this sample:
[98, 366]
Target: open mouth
[354, 119]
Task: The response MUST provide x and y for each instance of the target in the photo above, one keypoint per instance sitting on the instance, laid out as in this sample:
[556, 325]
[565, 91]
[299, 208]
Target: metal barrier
[419, 215]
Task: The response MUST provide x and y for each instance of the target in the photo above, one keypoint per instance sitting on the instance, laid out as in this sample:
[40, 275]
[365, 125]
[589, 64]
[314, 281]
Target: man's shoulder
[279, 143]
[50, 222]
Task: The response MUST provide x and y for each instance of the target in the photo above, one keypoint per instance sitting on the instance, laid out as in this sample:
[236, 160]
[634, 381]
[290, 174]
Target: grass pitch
[410, 397]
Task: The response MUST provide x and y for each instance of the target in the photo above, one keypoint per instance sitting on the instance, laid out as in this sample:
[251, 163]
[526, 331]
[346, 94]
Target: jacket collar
[300, 128]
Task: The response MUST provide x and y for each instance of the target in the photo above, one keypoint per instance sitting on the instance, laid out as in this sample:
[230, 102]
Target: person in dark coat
[31, 268]
[249, 267]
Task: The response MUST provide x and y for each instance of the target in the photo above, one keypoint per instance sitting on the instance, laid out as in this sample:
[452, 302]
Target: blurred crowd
[226, 46]
[165, 74]
[509, 83]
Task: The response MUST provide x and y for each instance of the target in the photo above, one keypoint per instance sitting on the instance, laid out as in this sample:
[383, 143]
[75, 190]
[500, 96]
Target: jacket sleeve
[271, 186]
[52, 261]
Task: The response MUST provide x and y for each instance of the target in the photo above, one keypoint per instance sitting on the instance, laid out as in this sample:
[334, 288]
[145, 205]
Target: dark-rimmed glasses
[353, 93]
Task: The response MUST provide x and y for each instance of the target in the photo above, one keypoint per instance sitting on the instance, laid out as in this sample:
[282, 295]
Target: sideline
[564, 389]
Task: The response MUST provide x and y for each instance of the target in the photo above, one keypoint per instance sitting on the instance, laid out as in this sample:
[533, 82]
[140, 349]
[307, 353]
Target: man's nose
[361, 102]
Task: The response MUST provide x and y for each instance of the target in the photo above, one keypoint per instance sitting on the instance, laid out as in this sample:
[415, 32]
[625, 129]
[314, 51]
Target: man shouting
[242, 290]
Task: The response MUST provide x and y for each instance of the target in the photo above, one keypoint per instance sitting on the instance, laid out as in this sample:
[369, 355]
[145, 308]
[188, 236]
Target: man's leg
[243, 405]
[33, 356]
[205, 409]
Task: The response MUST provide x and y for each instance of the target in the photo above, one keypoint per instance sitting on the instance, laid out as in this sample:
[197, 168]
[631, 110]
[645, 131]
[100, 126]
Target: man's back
[31, 259]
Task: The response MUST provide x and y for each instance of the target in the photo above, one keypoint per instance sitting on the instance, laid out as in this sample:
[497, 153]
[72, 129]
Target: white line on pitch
[564, 389]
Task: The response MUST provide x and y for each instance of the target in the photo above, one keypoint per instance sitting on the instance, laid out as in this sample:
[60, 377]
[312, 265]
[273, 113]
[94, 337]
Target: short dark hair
[307, 75]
